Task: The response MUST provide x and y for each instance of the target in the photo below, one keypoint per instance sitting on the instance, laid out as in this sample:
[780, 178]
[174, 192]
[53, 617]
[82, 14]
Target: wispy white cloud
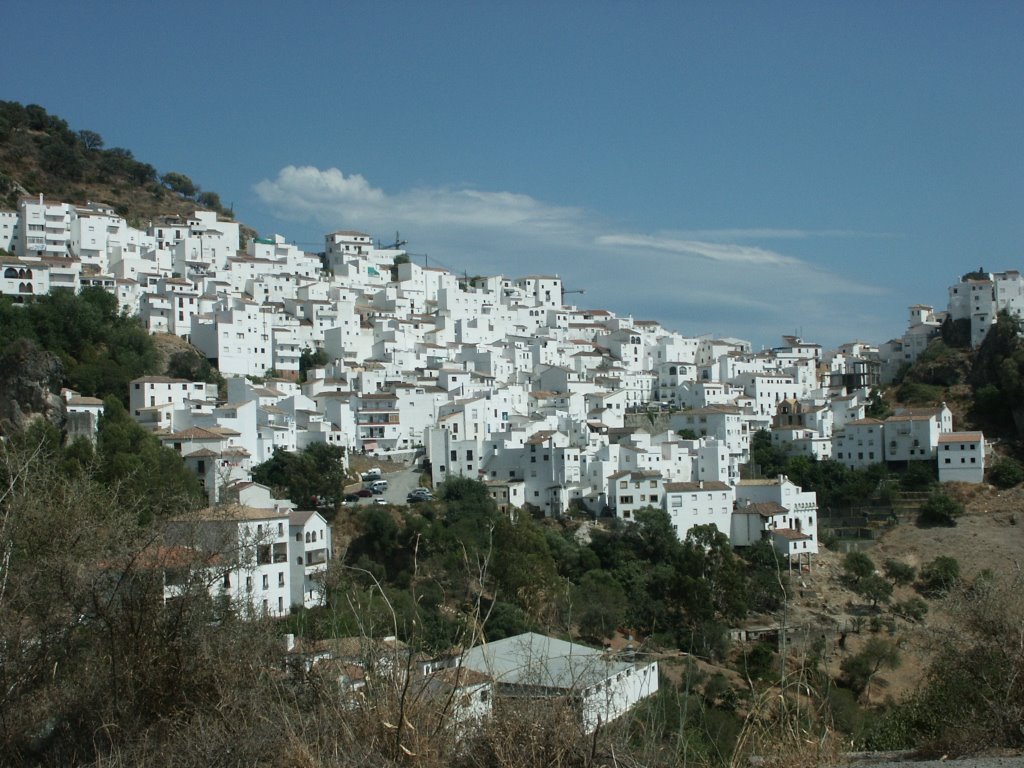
[755, 233]
[726, 253]
[719, 278]
[332, 198]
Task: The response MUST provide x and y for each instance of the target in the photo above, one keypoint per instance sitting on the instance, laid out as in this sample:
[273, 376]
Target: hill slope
[41, 154]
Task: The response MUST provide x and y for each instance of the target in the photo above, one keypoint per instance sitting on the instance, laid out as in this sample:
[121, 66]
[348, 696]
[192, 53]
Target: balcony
[316, 557]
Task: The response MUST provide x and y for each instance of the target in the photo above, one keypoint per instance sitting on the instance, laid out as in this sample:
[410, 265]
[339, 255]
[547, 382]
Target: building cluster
[975, 301]
[493, 378]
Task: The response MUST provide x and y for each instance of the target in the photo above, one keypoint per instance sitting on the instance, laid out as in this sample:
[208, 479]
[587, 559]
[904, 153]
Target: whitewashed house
[700, 503]
[599, 687]
[961, 457]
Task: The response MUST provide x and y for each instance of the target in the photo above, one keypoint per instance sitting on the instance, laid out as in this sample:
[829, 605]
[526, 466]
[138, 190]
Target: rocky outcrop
[30, 381]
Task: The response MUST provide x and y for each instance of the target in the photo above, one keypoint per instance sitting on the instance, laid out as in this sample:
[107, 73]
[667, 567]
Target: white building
[700, 503]
[250, 548]
[309, 553]
[781, 511]
[961, 457]
[599, 687]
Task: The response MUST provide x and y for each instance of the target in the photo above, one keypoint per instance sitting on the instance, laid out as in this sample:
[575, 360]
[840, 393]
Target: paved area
[399, 485]
[907, 760]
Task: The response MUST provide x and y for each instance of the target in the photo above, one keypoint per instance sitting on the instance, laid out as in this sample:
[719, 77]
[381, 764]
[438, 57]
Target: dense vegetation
[101, 350]
[39, 152]
[313, 477]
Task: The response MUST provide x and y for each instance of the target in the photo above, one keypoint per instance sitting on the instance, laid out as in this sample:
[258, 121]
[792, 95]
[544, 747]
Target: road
[399, 485]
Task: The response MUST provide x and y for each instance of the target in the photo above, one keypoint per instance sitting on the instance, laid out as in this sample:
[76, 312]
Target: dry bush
[788, 727]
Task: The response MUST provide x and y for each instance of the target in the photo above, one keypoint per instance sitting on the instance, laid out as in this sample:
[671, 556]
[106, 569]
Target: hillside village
[558, 411]
[492, 378]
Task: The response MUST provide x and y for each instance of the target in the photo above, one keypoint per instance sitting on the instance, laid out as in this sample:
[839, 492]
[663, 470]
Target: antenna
[397, 245]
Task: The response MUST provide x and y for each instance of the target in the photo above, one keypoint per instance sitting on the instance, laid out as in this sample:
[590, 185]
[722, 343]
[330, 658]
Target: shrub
[857, 565]
[939, 576]
[940, 509]
[1006, 473]
[913, 609]
[901, 573]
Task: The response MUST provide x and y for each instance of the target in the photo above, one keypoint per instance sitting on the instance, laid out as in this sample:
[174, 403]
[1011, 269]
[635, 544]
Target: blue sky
[737, 169]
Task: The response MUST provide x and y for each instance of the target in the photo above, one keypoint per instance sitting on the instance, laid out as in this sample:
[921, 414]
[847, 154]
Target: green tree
[311, 477]
[599, 604]
[310, 358]
[877, 408]
[90, 139]
[180, 183]
[913, 608]
[101, 349]
[899, 572]
[1006, 473]
[857, 566]
[940, 509]
[153, 478]
[874, 588]
[860, 669]
[190, 365]
[523, 570]
[209, 200]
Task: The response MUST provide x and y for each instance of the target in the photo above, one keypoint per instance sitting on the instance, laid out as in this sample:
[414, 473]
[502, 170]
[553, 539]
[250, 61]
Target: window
[248, 583]
[280, 578]
[266, 581]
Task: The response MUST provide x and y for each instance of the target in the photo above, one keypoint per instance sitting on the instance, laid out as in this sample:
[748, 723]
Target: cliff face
[30, 382]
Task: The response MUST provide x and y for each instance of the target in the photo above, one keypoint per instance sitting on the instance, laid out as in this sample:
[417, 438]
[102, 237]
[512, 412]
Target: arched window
[10, 272]
[25, 288]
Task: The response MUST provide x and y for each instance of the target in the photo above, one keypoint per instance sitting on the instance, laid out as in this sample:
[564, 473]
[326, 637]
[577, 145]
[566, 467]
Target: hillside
[41, 154]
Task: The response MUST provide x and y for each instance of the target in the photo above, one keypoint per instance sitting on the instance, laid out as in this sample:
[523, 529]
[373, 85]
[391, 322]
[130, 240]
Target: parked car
[379, 501]
[351, 497]
[371, 474]
[364, 493]
[418, 495]
[379, 486]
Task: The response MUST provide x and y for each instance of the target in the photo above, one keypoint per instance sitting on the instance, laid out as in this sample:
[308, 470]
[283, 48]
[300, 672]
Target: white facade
[961, 457]
[601, 689]
[692, 504]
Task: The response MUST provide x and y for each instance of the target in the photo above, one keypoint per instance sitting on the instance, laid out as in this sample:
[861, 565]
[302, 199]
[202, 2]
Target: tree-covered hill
[100, 350]
[41, 154]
